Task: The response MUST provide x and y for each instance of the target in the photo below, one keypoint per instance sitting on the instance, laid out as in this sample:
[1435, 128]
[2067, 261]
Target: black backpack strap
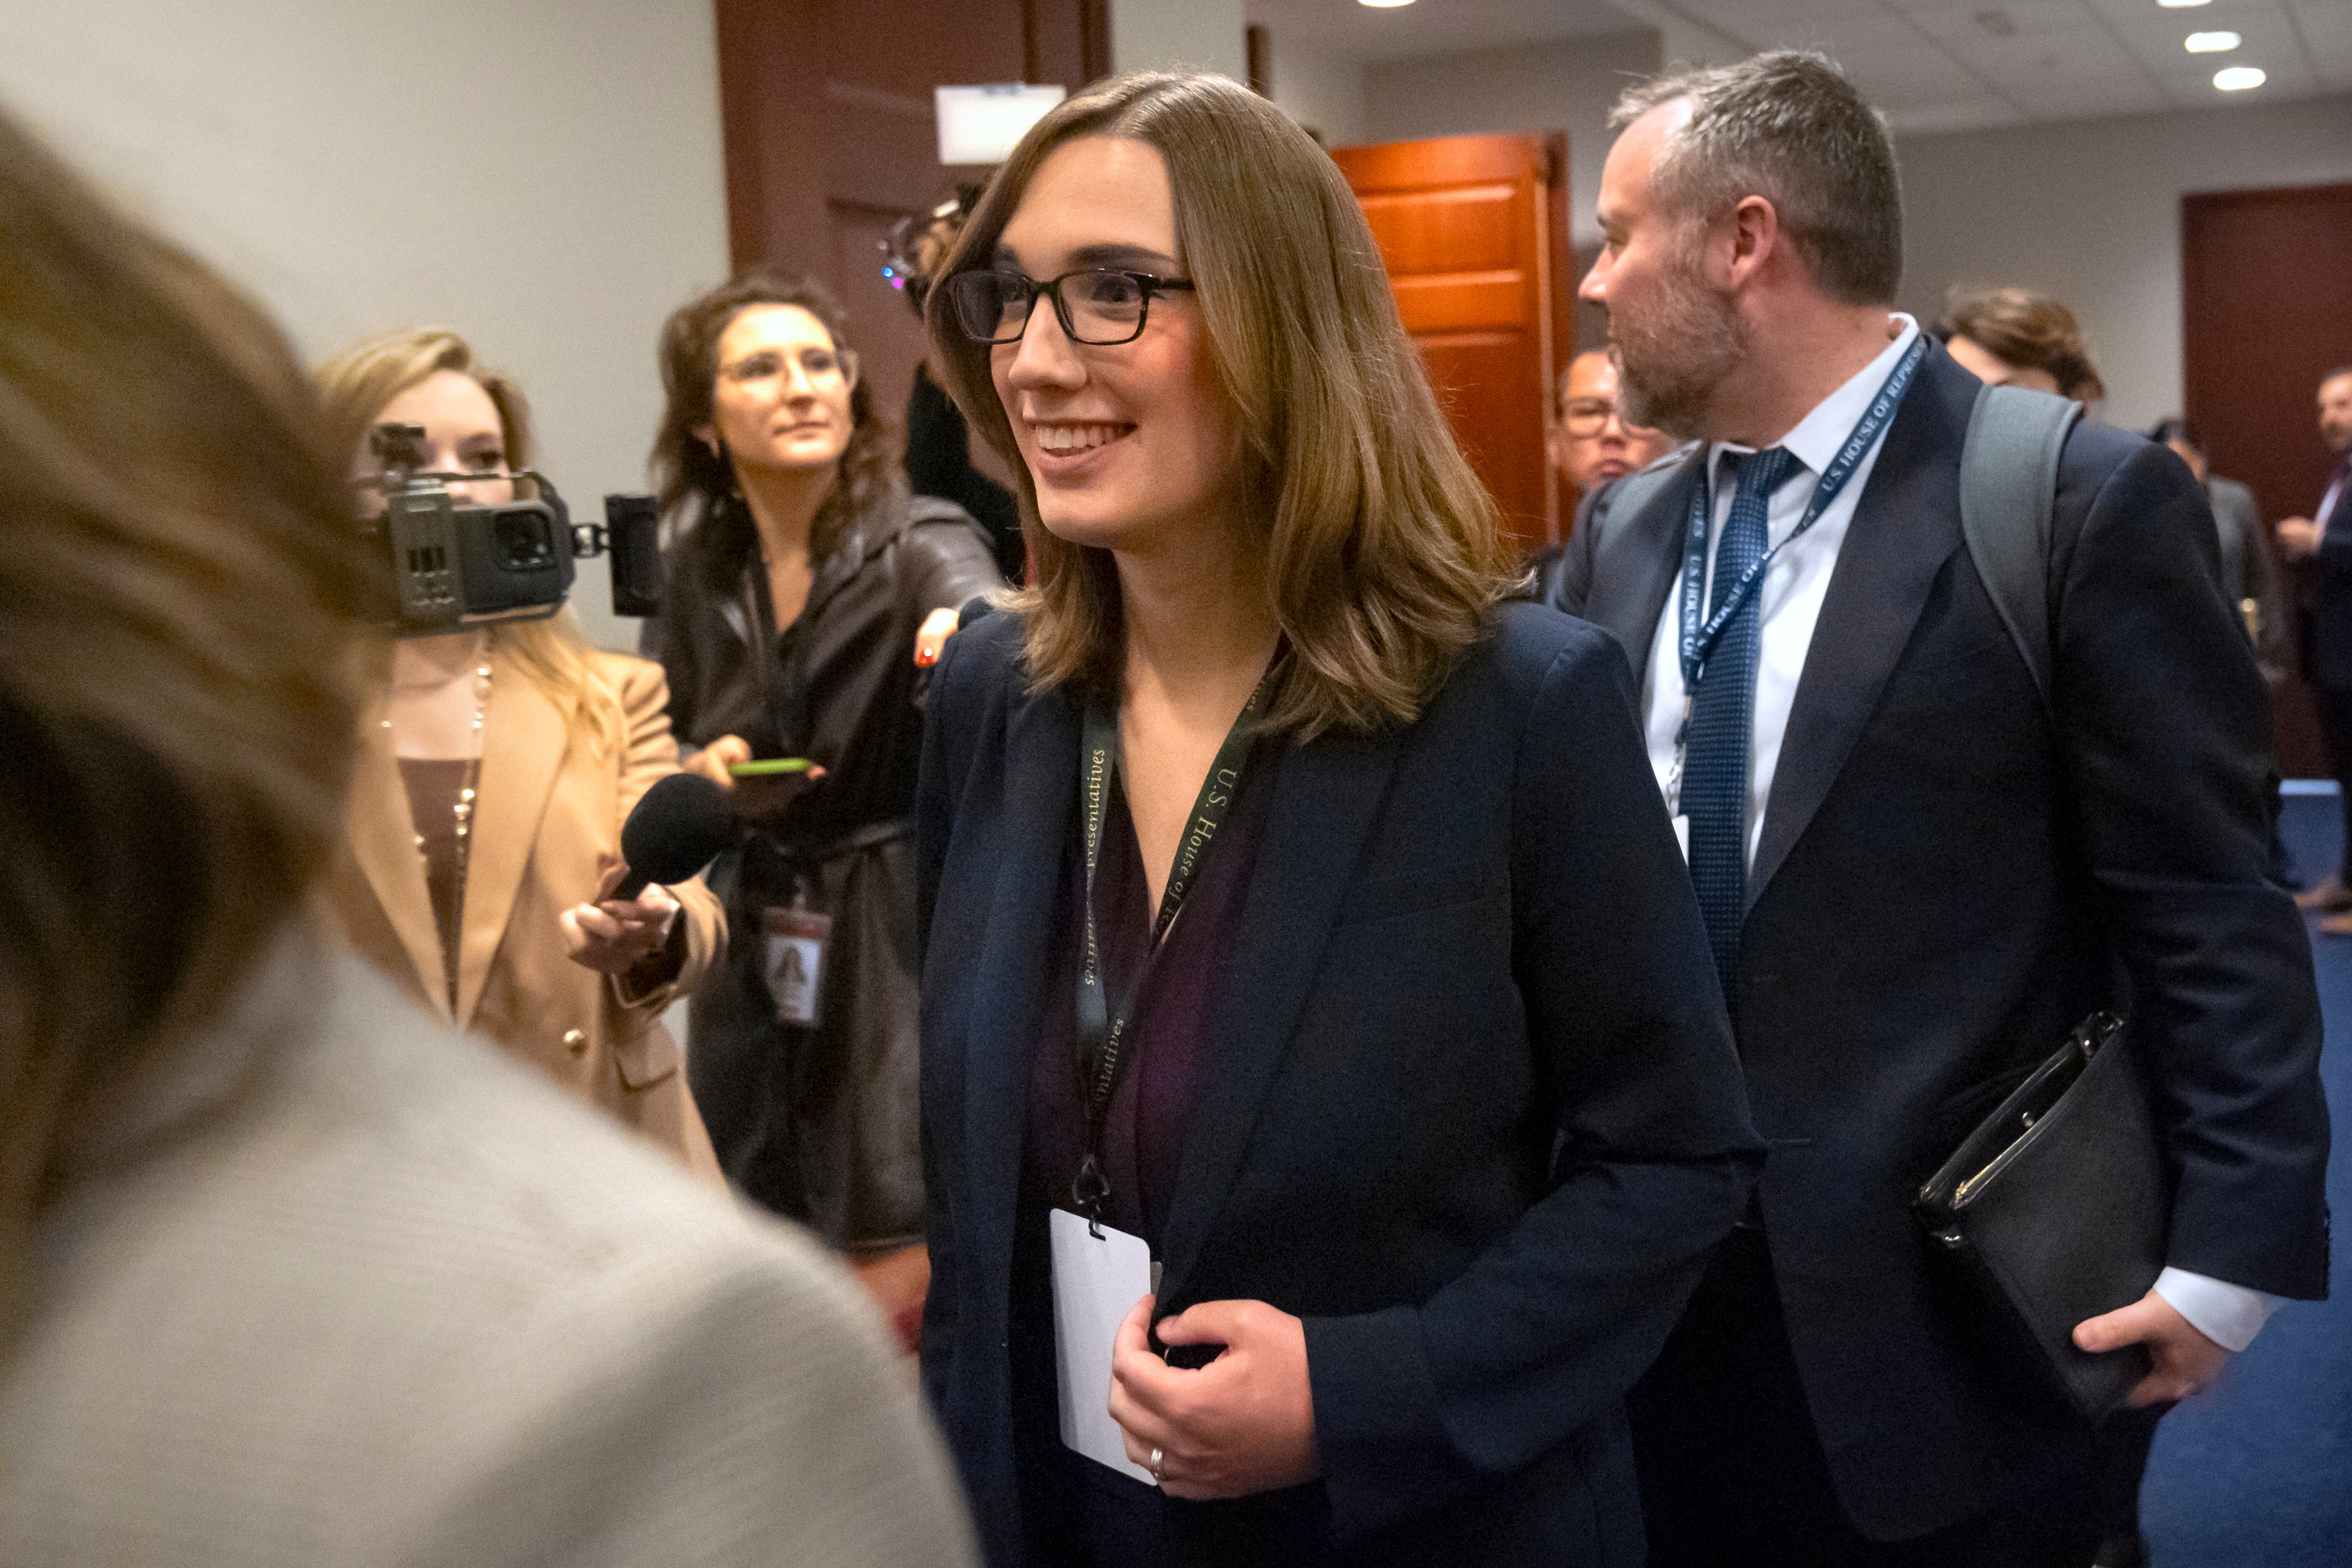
[2008, 493]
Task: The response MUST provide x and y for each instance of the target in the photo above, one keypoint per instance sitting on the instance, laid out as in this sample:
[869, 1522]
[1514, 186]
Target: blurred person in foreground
[494, 770]
[290, 1274]
[2324, 539]
[804, 591]
[1298, 914]
[2014, 337]
[1917, 877]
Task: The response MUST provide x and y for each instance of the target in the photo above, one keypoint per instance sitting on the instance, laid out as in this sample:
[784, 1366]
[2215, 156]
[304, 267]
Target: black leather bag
[2054, 1211]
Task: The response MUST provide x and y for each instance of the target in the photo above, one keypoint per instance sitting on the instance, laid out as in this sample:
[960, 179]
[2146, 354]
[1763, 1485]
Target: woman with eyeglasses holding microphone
[1326, 1104]
[799, 574]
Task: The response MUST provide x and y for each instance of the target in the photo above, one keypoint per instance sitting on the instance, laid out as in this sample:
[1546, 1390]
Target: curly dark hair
[708, 525]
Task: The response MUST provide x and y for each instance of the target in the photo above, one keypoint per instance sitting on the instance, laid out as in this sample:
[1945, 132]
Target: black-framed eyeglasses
[1587, 415]
[1099, 305]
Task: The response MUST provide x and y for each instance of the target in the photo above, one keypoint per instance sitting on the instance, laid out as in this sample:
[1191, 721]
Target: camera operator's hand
[714, 759]
[614, 937]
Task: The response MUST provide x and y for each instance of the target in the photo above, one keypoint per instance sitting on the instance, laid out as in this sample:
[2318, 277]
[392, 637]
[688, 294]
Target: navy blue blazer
[1471, 1110]
[1950, 877]
[2328, 607]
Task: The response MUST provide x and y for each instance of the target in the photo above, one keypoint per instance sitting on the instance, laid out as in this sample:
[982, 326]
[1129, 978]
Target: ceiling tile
[2192, 87]
[2327, 27]
[2215, 14]
[1767, 23]
[2042, 61]
[1976, 21]
[2267, 37]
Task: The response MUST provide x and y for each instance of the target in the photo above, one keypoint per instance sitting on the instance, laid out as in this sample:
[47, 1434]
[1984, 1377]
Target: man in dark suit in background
[2325, 539]
[1917, 878]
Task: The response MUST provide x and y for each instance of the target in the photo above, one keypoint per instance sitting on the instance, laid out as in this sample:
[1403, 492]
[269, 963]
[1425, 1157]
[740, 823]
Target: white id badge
[1097, 1282]
[795, 960]
[1681, 836]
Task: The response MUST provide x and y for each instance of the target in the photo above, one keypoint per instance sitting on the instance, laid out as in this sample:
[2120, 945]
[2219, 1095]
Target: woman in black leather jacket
[799, 573]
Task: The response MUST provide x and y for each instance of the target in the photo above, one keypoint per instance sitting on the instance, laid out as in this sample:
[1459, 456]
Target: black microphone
[677, 828]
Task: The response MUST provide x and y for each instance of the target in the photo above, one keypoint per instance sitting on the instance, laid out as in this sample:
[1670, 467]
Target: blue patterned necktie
[1715, 767]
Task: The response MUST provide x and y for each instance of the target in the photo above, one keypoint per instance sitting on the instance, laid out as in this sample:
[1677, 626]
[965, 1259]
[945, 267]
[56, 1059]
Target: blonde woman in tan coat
[488, 791]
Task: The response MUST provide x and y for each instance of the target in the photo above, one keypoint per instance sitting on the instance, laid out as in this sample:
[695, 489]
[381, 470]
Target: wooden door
[2264, 314]
[830, 137]
[1475, 233]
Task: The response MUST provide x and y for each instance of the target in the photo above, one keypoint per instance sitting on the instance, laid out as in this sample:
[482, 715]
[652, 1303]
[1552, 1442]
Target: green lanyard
[1101, 1037]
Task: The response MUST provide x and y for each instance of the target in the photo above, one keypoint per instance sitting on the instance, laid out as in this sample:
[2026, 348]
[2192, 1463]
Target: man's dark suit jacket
[2328, 608]
[1470, 1108]
[1948, 880]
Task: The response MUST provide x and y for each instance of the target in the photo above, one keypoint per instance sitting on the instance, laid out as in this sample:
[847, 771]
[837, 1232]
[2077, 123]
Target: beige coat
[548, 808]
[337, 1287]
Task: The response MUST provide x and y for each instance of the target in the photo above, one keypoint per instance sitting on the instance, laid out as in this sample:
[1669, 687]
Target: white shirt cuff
[2229, 1316]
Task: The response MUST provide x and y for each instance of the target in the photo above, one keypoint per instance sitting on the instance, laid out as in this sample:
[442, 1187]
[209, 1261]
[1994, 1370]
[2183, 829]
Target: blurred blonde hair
[179, 581]
[356, 384]
[1385, 556]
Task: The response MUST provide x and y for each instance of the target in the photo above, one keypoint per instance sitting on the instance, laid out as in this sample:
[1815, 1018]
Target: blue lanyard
[1698, 641]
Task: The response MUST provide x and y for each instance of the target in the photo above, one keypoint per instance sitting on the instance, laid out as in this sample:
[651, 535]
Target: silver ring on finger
[1157, 1478]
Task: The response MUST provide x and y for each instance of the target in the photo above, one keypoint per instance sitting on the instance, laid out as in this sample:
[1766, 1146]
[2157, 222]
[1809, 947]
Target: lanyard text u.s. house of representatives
[1699, 632]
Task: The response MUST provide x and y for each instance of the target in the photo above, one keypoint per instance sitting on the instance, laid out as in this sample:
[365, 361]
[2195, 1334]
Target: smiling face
[1134, 442]
[463, 435]
[782, 396]
[1674, 332]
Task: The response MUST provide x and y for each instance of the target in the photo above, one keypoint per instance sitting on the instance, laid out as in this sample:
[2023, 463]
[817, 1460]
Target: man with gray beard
[1917, 874]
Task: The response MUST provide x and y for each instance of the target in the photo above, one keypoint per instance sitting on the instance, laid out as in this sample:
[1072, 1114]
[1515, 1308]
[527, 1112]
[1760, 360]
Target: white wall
[2090, 210]
[1568, 86]
[543, 176]
[1172, 34]
[1324, 92]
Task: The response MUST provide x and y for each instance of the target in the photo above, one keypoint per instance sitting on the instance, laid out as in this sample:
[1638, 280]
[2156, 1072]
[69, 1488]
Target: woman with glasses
[1327, 1099]
[799, 574]
[493, 777]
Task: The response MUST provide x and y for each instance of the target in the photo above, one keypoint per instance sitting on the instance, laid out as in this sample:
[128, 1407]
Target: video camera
[459, 566]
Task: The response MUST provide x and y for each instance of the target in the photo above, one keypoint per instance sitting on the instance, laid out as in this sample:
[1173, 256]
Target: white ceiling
[1950, 65]
[1933, 64]
[1351, 31]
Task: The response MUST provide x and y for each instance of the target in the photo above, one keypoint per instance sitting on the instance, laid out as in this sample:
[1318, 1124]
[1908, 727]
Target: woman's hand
[931, 637]
[614, 935]
[714, 759]
[1243, 1424]
[898, 1280]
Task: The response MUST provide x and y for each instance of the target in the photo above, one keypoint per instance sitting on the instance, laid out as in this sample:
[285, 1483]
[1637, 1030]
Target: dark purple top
[1168, 1041]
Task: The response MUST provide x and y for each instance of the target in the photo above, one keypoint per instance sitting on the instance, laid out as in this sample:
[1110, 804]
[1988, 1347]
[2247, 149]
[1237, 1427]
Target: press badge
[797, 940]
[1097, 1282]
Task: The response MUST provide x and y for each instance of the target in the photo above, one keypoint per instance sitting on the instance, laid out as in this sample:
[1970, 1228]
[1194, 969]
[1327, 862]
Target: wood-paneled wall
[830, 136]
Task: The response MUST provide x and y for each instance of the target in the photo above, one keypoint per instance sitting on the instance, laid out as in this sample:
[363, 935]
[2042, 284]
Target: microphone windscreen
[677, 828]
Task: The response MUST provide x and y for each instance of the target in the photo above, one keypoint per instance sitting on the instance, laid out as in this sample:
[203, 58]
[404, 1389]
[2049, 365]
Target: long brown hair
[179, 581]
[709, 528]
[1385, 554]
[356, 384]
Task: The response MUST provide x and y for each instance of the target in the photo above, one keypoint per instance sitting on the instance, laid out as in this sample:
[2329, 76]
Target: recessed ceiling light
[2181, 4]
[2238, 79]
[2212, 42]
[1392, 5]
